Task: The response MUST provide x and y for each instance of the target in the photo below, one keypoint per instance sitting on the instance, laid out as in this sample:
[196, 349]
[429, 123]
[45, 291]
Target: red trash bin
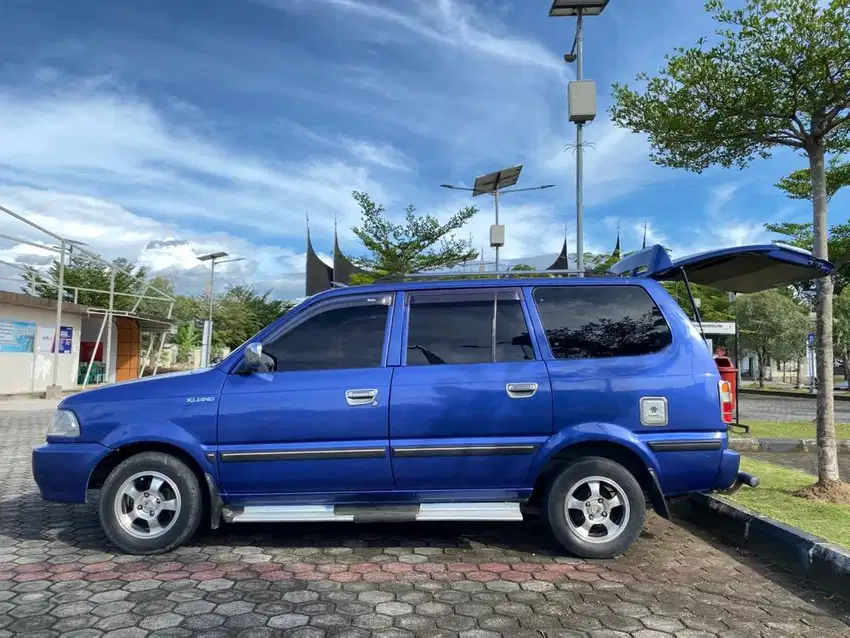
[728, 372]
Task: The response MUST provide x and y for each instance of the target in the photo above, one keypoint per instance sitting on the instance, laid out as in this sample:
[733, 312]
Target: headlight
[64, 423]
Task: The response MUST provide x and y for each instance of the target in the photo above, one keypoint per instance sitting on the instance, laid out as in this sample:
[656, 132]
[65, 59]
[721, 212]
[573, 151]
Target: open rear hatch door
[743, 269]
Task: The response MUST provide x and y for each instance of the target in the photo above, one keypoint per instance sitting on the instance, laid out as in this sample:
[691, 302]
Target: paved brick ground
[59, 577]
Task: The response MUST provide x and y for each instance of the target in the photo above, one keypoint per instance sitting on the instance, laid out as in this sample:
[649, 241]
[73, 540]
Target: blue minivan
[583, 400]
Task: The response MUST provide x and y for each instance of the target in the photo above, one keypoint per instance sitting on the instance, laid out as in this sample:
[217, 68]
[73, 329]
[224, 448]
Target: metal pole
[579, 159]
[210, 331]
[108, 348]
[94, 352]
[158, 353]
[496, 196]
[59, 296]
[147, 356]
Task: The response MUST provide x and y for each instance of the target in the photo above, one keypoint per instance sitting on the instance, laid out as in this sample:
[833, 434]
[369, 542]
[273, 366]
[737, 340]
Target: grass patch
[774, 498]
[793, 430]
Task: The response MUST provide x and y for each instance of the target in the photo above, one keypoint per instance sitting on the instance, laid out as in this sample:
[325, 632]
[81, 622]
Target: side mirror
[254, 355]
[215, 361]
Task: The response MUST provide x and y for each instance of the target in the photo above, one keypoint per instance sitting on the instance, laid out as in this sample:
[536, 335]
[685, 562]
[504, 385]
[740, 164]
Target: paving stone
[288, 621]
[59, 577]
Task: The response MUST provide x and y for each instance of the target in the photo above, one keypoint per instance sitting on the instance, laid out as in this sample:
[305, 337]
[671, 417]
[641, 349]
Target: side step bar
[373, 513]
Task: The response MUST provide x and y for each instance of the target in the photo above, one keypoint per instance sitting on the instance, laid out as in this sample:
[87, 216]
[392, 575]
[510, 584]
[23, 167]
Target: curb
[792, 395]
[784, 446]
[806, 555]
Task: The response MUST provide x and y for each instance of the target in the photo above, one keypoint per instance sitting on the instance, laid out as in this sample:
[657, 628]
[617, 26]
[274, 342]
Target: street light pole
[214, 259]
[582, 100]
[496, 199]
[493, 187]
[579, 158]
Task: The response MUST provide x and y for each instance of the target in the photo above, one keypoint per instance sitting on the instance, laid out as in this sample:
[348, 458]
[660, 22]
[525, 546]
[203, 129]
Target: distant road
[768, 408]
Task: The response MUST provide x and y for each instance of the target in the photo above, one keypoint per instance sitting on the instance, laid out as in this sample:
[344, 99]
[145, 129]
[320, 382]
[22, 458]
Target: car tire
[595, 508]
[150, 504]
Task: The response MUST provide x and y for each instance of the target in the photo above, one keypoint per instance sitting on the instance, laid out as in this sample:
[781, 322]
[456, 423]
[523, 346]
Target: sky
[161, 131]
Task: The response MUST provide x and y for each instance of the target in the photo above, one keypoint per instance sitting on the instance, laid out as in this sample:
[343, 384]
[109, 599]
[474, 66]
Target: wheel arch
[112, 460]
[619, 452]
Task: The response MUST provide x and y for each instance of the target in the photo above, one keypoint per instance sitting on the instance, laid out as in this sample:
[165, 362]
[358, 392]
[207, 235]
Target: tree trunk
[827, 452]
[761, 358]
[799, 374]
[845, 352]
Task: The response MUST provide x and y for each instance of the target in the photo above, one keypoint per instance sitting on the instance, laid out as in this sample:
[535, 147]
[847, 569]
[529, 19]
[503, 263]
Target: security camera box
[582, 98]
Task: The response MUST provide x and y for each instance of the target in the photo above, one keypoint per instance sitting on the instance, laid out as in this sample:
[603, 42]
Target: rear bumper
[730, 462]
[62, 470]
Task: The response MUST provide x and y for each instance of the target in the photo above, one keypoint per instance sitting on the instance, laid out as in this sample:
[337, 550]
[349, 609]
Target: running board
[373, 513]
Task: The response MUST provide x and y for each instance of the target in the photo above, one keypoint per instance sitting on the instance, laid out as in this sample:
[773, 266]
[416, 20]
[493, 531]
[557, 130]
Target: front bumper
[62, 470]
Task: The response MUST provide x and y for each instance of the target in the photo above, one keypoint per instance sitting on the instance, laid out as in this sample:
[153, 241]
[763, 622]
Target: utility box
[497, 235]
[582, 99]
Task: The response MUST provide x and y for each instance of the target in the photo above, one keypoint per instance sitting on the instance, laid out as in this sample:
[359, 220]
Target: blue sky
[163, 130]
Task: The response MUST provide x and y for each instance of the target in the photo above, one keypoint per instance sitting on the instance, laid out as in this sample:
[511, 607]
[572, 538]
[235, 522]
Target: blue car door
[318, 422]
[471, 400]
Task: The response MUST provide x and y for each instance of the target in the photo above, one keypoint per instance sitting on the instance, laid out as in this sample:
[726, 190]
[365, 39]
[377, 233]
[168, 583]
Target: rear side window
[459, 328]
[587, 322]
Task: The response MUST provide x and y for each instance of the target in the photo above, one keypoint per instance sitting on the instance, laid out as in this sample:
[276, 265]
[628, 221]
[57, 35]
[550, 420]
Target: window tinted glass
[346, 337]
[584, 322]
[461, 331]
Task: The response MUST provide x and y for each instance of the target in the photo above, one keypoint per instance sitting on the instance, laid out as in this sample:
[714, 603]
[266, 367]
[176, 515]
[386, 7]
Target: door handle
[521, 390]
[360, 397]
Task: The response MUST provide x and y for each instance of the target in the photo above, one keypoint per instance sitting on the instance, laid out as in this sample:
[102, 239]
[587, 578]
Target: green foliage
[714, 303]
[187, 338]
[841, 326]
[420, 244]
[771, 324]
[240, 313]
[801, 235]
[779, 75]
[84, 272]
[798, 185]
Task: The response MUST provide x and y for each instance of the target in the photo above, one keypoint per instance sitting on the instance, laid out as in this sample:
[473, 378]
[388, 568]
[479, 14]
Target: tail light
[726, 404]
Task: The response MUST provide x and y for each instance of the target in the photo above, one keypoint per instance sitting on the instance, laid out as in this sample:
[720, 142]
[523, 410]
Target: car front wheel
[595, 508]
[150, 503]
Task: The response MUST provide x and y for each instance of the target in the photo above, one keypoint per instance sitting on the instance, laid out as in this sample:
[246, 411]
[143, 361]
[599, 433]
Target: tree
[841, 329]
[802, 236]
[778, 76]
[187, 339]
[798, 185]
[714, 303]
[421, 244]
[241, 312]
[84, 272]
[769, 326]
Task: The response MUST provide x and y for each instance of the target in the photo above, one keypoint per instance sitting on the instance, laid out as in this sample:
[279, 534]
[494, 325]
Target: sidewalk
[28, 405]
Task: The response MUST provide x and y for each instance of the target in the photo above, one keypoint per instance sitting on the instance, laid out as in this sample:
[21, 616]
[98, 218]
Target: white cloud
[120, 148]
[456, 25]
[168, 249]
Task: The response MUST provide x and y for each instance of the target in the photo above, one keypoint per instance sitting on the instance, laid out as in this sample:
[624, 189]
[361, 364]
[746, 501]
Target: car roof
[488, 282]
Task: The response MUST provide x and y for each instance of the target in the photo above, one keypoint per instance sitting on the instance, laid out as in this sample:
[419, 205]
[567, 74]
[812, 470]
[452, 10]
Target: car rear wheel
[150, 503]
[595, 508]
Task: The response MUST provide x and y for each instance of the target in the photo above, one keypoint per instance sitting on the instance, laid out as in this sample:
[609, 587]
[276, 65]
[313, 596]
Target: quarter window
[458, 329]
[589, 322]
[337, 338]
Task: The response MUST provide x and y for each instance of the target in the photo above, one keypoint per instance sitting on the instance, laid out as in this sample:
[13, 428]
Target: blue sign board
[17, 336]
[66, 338]
[811, 339]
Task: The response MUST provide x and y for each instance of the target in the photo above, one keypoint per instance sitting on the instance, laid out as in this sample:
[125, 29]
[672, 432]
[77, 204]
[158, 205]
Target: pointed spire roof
[343, 268]
[616, 253]
[562, 262]
[319, 274]
[644, 234]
